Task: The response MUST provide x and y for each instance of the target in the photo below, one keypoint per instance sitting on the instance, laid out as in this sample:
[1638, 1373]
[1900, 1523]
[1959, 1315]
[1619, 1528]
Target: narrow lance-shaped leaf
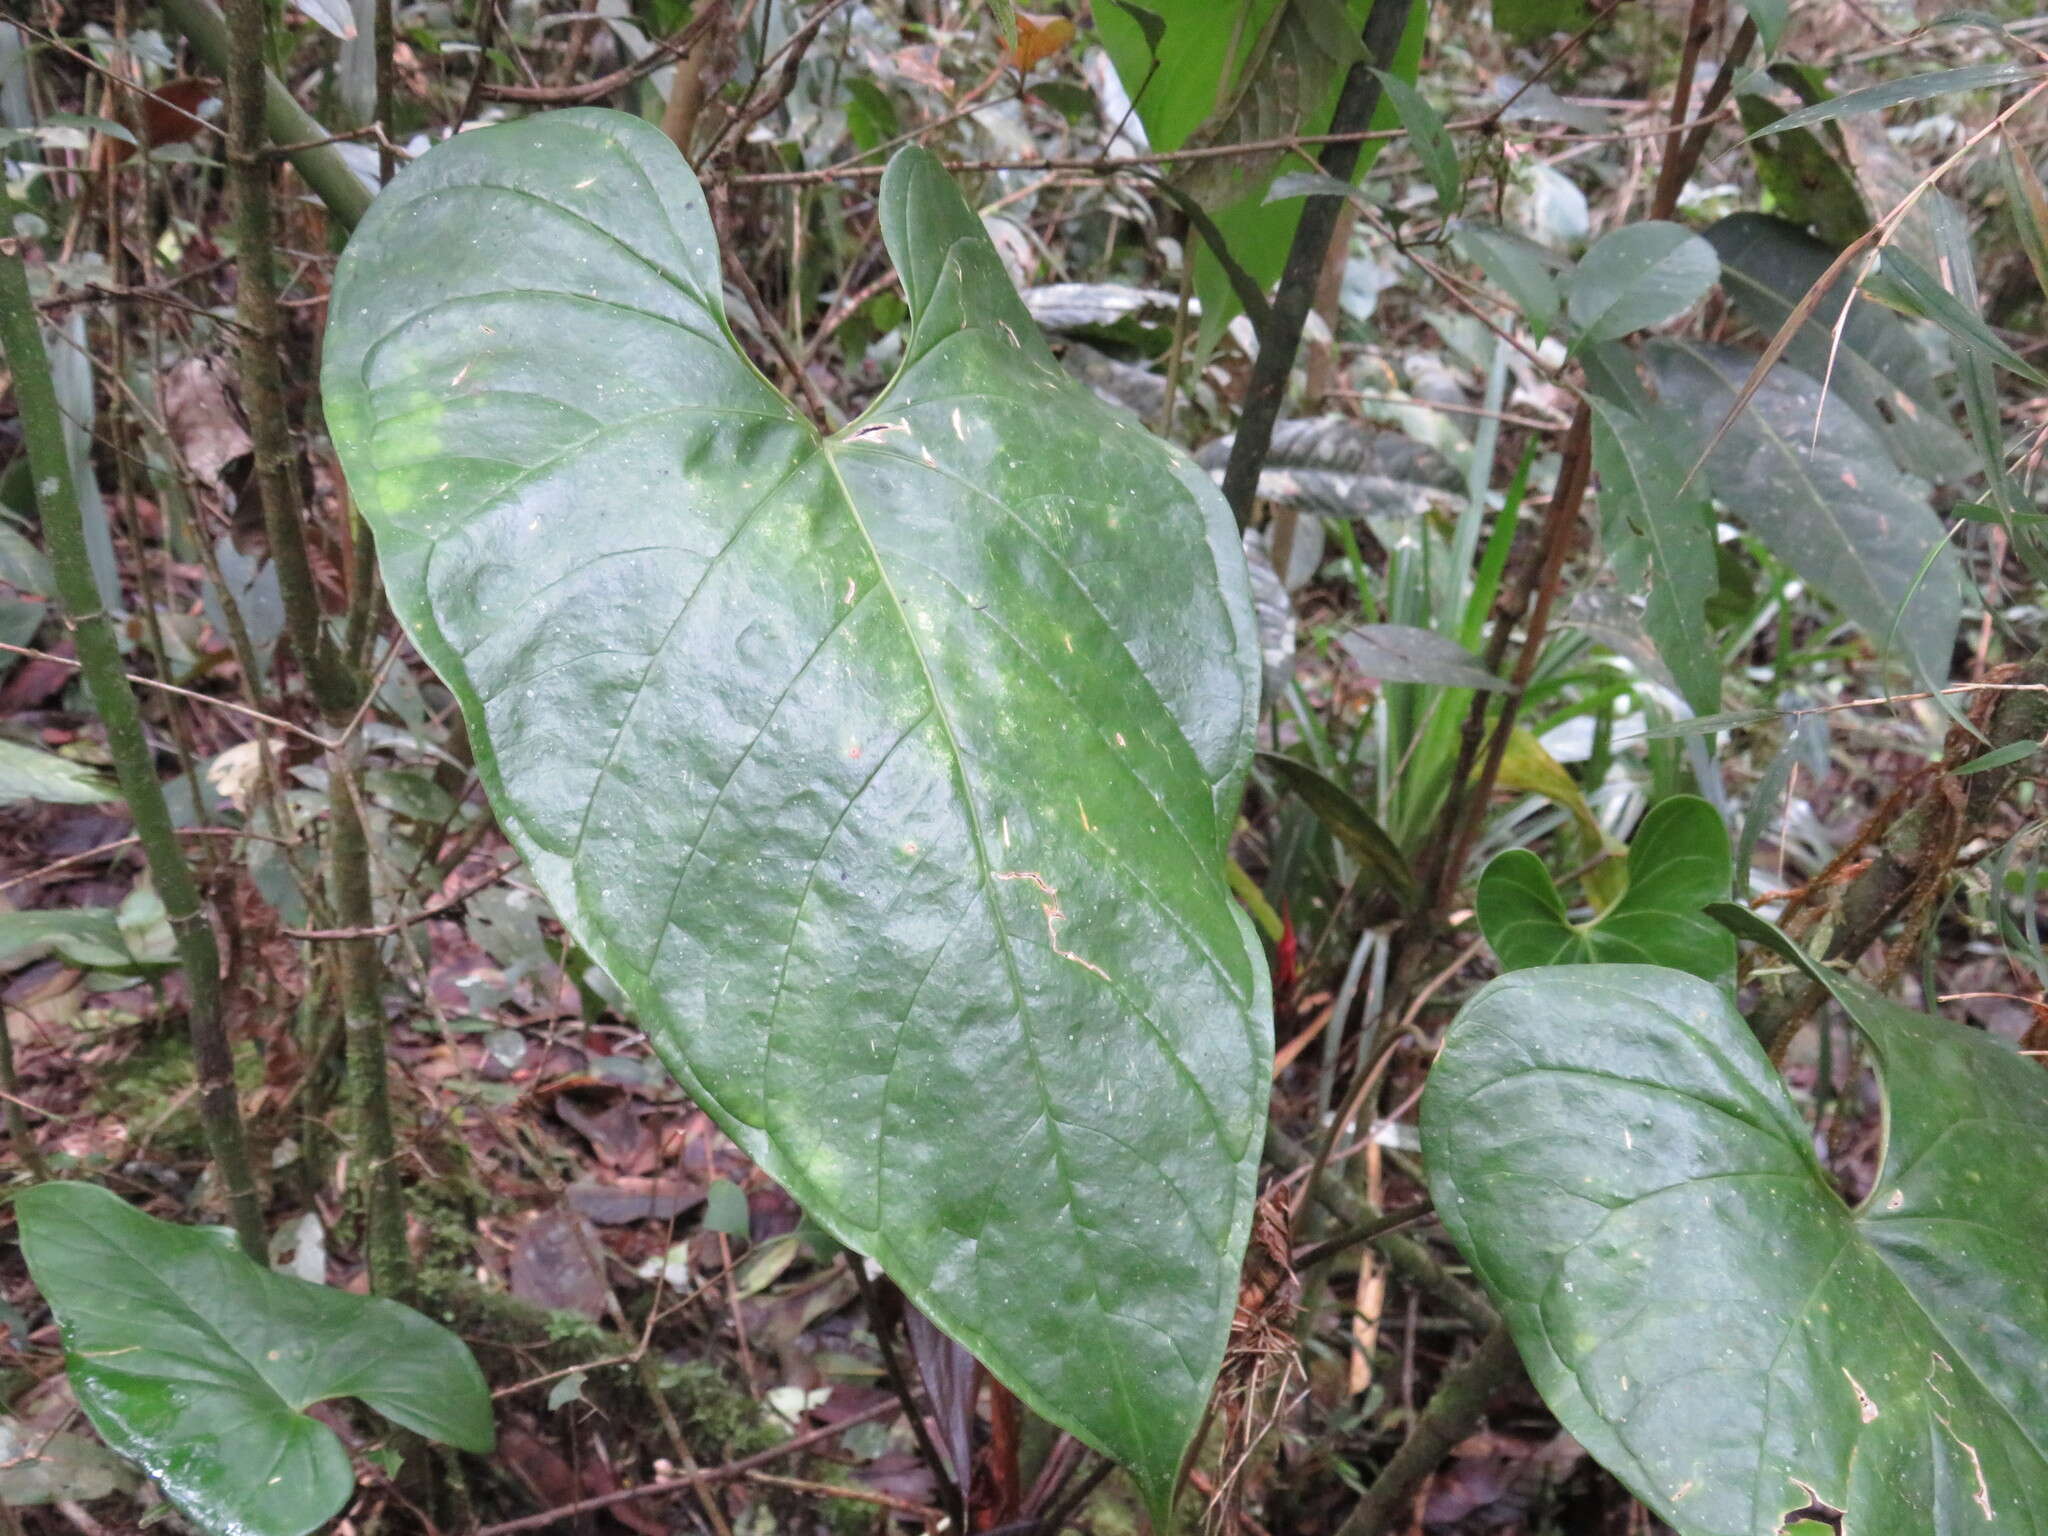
[199, 1364]
[1894, 93]
[1613, 1152]
[889, 773]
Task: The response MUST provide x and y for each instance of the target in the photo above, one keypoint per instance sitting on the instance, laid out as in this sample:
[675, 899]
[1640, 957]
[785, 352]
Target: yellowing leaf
[1039, 38]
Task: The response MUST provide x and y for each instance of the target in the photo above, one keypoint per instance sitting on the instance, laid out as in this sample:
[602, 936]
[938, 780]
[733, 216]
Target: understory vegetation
[797, 766]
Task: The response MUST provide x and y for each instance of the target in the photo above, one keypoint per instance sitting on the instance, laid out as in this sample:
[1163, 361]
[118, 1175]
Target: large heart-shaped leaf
[889, 773]
[1677, 864]
[1611, 1149]
[200, 1365]
[1813, 482]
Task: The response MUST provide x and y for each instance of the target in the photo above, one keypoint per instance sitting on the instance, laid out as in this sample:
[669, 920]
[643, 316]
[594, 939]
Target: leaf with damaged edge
[1613, 1152]
[200, 1365]
[889, 773]
[1677, 864]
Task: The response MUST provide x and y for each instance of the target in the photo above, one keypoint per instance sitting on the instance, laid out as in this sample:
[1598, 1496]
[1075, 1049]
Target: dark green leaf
[1612, 1151]
[1940, 82]
[1808, 182]
[1150, 24]
[870, 114]
[200, 1365]
[1347, 820]
[1659, 532]
[1638, 276]
[1828, 503]
[1424, 126]
[1401, 653]
[1878, 369]
[1677, 864]
[888, 773]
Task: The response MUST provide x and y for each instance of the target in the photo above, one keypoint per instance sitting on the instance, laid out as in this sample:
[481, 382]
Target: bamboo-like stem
[99, 656]
[336, 686]
[360, 974]
[316, 159]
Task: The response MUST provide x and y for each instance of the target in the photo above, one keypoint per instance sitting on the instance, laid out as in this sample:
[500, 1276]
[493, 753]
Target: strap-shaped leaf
[888, 772]
[1612, 1150]
[199, 1365]
[1678, 862]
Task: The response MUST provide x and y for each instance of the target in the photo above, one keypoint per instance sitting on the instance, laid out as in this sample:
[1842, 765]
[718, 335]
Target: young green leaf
[29, 773]
[887, 772]
[200, 1365]
[1893, 93]
[1638, 276]
[1613, 1152]
[1432, 144]
[1678, 862]
[1999, 757]
[1769, 16]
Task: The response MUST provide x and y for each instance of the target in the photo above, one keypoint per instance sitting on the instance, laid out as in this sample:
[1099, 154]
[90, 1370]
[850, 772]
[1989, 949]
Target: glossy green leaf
[29, 773]
[1431, 142]
[199, 1365]
[1893, 93]
[1659, 534]
[1677, 864]
[1814, 483]
[1207, 59]
[1638, 276]
[1612, 1151]
[1346, 820]
[1876, 367]
[888, 773]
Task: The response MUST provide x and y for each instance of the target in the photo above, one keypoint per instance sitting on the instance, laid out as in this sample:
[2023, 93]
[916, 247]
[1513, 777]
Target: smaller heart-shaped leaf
[199, 1365]
[1677, 864]
[1613, 1152]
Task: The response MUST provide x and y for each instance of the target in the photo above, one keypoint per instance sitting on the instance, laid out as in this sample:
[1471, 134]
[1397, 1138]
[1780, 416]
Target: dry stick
[433, 909]
[1280, 337]
[710, 1476]
[315, 158]
[1451, 1415]
[139, 681]
[100, 661]
[603, 85]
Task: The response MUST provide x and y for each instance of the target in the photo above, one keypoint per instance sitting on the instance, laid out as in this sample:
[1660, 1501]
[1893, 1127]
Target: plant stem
[1280, 337]
[338, 188]
[361, 984]
[99, 657]
[1451, 1415]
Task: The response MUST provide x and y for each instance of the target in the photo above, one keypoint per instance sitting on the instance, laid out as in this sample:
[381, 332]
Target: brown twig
[604, 85]
[433, 909]
[709, 1476]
